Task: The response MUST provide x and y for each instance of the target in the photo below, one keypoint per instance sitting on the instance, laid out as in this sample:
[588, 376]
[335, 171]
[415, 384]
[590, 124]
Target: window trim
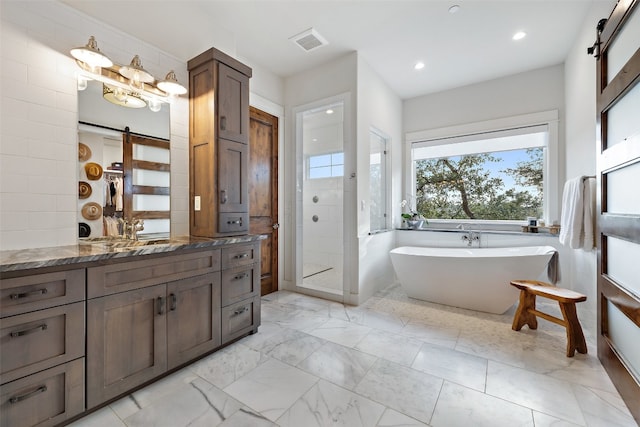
[552, 192]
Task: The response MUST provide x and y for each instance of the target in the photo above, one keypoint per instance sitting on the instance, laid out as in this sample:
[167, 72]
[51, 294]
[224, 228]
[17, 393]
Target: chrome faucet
[130, 229]
[471, 237]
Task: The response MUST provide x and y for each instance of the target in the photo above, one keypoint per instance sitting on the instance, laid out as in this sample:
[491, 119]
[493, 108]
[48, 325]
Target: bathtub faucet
[471, 237]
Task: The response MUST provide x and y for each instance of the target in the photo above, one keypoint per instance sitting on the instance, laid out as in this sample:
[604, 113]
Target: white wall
[38, 145]
[581, 147]
[378, 107]
[529, 92]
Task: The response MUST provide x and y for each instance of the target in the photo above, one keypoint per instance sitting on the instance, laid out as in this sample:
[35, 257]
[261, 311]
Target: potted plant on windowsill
[413, 219]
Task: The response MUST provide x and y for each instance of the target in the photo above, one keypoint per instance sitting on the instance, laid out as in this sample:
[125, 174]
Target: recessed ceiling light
[329, 111]
[454, 8]
[419, 65]
[519, 35]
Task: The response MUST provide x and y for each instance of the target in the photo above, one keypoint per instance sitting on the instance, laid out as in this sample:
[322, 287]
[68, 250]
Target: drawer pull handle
[241, 276]
[237, 221]
[241, 310]
[174, 302]
[28, 294]
[16, 399]
[160, 302]
[28, 331]
[241, 256]
[223, 197]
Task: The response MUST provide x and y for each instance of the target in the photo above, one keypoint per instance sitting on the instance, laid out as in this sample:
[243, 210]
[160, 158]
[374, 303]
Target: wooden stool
[526, 313]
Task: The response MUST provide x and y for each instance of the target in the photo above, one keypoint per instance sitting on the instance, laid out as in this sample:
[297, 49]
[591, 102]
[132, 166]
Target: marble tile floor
[392, 361]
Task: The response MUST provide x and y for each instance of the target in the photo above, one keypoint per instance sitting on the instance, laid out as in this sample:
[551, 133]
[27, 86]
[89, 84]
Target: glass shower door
[321, 204]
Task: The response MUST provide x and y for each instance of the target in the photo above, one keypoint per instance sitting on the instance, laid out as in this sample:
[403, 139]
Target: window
[377, 181]
[326, 165]
[498, 175]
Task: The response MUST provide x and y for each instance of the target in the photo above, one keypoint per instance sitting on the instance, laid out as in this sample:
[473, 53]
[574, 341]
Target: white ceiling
[458, 49]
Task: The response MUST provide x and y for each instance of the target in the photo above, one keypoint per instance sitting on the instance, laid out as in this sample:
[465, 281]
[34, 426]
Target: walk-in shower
[320, 201]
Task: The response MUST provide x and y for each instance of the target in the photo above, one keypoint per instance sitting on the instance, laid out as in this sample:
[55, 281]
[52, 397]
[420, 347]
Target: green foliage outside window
[481, 186]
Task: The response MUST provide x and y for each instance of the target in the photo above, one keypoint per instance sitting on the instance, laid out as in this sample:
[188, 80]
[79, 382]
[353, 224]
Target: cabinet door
[126, 341]
[193, 318]
[233, 104]
[232, 178]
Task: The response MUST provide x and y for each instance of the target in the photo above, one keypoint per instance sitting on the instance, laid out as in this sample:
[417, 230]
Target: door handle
[24, 332]
[28, 294]
[160, 303]
[223, 123]
[223, 197]
[275, 226]
[16, 399]
[174, 302]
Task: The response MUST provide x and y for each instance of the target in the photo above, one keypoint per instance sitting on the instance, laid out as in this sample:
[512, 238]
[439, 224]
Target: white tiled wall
[38, 136]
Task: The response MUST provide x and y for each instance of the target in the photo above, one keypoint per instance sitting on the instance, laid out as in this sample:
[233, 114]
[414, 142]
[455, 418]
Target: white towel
[577, 218]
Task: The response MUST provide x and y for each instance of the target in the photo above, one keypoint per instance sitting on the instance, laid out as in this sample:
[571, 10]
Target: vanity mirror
[123, 165]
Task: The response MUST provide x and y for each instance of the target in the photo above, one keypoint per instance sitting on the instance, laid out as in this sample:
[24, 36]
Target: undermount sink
[121, 242]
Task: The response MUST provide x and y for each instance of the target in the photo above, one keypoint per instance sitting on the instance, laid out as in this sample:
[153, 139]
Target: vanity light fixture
[171, 86]
[90, 54]
[136, 74]
[126, 85]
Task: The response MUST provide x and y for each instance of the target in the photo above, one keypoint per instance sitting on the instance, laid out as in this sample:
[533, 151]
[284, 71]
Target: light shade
[171, 86]
[135, 72]
[121, 97]
[91, 55]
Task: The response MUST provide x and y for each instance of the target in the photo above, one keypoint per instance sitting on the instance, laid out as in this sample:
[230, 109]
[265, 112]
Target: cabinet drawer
[126, 276]
[44, 399]
[240, 318]
[238, 255]
[35, 341]
[240, 283]
[37, 291]
[233, 222]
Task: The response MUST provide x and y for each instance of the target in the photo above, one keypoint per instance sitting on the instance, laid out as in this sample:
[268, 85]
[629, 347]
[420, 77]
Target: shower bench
[567, 299]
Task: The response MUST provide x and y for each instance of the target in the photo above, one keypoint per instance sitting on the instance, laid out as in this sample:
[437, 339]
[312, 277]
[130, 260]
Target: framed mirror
[123, 165]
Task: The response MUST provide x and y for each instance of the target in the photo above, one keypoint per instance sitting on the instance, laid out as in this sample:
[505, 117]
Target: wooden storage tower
[218, 145]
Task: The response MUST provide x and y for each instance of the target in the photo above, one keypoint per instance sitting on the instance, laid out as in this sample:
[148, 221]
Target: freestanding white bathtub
[477, 279]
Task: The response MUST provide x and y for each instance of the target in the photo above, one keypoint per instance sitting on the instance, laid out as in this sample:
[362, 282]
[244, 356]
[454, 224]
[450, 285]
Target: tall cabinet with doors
[218, 145]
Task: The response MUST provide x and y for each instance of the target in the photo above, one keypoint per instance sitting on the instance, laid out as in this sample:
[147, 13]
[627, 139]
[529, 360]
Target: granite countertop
[93, 251]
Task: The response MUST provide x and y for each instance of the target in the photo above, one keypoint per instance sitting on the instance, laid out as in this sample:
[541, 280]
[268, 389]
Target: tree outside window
[499, 185]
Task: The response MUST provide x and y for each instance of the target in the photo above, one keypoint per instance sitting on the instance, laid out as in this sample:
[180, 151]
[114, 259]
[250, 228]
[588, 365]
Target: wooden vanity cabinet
[218, 145]
[240, 291]
[42, 347]
[137, 335]
[73, 340]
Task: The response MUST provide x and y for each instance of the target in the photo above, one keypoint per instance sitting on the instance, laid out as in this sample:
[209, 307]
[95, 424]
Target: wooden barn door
[618, 167]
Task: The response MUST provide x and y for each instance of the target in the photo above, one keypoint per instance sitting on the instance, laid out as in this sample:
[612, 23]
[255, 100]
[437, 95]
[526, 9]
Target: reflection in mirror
[124, 167]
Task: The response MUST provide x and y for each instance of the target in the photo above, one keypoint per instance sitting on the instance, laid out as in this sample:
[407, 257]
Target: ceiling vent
[309, 40]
